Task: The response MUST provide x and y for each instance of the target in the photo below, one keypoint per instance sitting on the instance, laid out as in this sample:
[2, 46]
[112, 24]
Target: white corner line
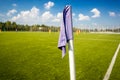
[109, 70]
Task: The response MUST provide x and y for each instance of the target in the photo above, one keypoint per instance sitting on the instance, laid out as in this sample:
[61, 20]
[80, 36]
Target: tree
[14, 26]
[8, 25]
[27, 27]
[1, 25]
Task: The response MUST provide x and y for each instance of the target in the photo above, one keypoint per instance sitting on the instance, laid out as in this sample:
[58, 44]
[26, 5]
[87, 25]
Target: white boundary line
[106, 32]
[109, 70]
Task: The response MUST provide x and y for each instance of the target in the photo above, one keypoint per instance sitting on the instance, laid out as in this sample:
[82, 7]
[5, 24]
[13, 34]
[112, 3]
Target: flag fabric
[66, 31]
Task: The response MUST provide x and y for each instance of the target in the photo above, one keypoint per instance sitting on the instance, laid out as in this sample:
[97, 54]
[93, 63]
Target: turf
[115, 75]
[35, 56]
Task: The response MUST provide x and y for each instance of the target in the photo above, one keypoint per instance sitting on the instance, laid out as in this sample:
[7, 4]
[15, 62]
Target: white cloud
[10, 12]
[56, 20]
[73, 14]
[27, 17]
[14, 5]
[83, 17]
[46, 16]
[49, 5]
[96, 13]
[94, 24]
[58, 17]
[33, 16]
[112, 14]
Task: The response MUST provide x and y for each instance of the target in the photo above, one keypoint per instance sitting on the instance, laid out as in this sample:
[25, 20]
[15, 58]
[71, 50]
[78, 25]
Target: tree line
[13, 26]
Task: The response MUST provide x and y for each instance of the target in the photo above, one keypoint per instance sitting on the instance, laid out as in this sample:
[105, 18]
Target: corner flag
[65, 29]
[66, 36]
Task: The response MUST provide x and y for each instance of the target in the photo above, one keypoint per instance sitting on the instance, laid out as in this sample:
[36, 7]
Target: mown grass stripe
[98, 39]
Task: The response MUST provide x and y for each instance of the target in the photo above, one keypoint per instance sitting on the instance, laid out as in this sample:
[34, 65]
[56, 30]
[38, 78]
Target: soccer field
[35, 56]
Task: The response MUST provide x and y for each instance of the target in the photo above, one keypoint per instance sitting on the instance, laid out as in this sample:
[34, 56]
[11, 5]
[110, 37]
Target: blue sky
[49, 12]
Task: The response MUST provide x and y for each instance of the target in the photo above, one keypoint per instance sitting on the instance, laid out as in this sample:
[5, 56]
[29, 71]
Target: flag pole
[71, 60]
[66, 36]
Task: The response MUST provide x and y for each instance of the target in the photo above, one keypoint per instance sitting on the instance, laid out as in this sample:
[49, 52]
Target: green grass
[115, 75]
[35, 56]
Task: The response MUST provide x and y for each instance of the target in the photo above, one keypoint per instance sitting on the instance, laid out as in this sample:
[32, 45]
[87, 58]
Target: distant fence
[57, 29]
[100, 30]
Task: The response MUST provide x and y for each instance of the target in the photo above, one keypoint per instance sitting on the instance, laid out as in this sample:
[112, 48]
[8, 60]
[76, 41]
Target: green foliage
[35, 56]
[13, 26]
[8, 25]
[0, 25]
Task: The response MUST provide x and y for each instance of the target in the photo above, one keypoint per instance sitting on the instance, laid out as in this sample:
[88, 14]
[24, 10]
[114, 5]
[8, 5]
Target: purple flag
[65, 29]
